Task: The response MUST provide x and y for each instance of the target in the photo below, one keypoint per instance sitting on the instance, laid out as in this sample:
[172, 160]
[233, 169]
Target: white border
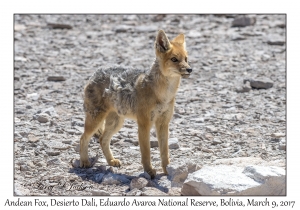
[154, 6]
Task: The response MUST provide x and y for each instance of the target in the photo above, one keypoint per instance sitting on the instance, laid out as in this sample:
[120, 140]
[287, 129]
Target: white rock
[194, 34]
[57, 145]
[246, 161]
[33, 96]
[148, 28]
[173, 143]
[178, 172]
[138, 183]
[110, 179]
[232, 180]
[50, 111]
[20, 190]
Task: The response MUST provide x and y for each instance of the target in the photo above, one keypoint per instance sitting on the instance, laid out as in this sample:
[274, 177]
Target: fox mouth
[186, 75]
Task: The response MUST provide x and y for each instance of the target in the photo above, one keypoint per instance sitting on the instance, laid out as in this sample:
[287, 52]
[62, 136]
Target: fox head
[172, 55]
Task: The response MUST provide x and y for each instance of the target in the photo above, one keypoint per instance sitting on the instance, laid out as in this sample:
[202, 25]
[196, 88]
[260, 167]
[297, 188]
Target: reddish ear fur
[179, 39]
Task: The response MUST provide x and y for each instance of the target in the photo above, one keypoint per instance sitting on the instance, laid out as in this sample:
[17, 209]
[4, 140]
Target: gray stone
[243, 21]
[77, 123]
[66, 141]
[40, 163]
[76, 163]
[153, 143]
[207, 150]
[77, 148]
[260, 83]
[130, 17]
[244, 88]
[282, 146]
[216, 141]
[50, 111]
[265, 57]
[211, 129]
[24, 167]
[59, 26]
[138, 183]
[122, 28]
[134, 142]
[198, 120]
[54, 161]
[238, 37]
[43, 118]
[277, 135]
[56, 78]
[173, 143]
[71, 131]
[18, 85]
[33, 96]
[276, 40]
[134, 192]
[145, 175]
[53, 152]
[232, 180]
[151, 191]
[100, 193]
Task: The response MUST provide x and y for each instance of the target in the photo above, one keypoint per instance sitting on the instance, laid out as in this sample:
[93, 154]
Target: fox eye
[174, 59]
[185, 59]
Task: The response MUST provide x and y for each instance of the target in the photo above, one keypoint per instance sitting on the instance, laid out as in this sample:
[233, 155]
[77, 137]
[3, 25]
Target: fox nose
[189, 70]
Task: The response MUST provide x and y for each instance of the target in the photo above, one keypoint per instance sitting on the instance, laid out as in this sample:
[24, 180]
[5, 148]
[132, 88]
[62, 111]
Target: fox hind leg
[113, 124]
[90, 127]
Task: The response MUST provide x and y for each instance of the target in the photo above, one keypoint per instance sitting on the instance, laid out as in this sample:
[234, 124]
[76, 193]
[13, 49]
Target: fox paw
[85, 164]
[165, 170]
[152, 173]
[115, 163]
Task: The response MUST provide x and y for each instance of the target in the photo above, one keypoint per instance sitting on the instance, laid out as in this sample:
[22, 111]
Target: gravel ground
[233, 105]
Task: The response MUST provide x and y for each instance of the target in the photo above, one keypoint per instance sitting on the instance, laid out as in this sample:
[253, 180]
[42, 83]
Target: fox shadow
[100, 174]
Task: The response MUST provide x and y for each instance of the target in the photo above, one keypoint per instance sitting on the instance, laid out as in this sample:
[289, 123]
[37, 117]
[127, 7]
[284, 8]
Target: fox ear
[179, 39]
[162, 43]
